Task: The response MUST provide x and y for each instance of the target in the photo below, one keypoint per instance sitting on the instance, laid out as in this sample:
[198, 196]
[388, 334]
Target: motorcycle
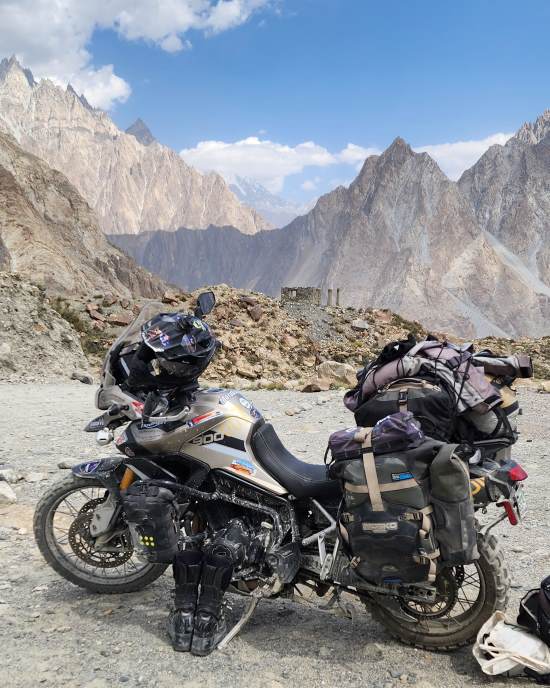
[212, 448]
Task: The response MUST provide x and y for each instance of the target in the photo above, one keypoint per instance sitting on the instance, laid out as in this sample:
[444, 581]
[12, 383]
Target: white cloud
[52, 37]
[264, 161]
[454, 158]
[353, 154]
[310, 184]
[269, 162]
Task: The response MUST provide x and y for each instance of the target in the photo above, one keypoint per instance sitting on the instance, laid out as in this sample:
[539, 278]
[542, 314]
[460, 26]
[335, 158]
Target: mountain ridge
[402, 236]
[131, 187]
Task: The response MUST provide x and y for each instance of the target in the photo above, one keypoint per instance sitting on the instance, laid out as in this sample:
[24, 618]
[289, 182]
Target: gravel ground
[55, 634]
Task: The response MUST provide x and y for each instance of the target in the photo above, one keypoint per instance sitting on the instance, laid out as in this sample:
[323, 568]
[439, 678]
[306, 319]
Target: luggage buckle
[354, 563]
[403, 397]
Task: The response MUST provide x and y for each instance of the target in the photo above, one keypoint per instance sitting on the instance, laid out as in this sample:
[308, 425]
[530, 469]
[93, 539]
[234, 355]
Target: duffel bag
[432, 405]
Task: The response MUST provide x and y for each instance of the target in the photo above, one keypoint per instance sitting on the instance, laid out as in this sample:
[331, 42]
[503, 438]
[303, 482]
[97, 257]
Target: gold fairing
[217, 432]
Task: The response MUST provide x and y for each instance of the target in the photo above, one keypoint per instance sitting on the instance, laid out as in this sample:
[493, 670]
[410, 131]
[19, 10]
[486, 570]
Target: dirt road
[54, 634]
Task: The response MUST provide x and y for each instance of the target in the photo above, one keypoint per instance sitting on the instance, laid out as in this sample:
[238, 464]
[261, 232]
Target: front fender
[102, 469]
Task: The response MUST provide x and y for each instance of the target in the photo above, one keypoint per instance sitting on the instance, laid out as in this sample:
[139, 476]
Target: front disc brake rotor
[82, 542]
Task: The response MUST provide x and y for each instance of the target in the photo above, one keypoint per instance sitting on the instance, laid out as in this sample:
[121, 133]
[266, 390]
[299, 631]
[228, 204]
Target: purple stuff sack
[397, 432]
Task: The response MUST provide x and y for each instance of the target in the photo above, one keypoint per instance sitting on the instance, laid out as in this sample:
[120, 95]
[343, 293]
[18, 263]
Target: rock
[120, 318]
[338, 373]
[109, 300]
[125, 303]
[289, 341]
[9, 474]
[7, 494]
[65, 464]
[359, 325]
[170, 297]
[91, 307]
[96, 315]
[82, 376]
[6, 359]
[316, 384]
[255, 312]
[247, 372]
[35, 477]
[248, 300]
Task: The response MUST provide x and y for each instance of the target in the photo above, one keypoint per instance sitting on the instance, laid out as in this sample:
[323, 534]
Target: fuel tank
[216, 431]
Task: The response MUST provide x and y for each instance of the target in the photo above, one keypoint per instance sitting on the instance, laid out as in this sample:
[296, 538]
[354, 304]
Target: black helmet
[183, 345]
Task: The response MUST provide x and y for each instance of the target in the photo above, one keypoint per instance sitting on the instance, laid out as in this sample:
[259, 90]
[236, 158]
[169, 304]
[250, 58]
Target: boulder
[245, 371]
[96, 315]
[255, 312]
[82, 376]
[170, 297]
[120, 318]
[359, 325]
[9, 474]
[248, 300]
[341, 374]
[109, 300]
[7, 494]
[316, 384]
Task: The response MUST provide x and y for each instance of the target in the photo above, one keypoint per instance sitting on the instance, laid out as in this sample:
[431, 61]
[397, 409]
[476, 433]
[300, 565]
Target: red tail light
[517, 474]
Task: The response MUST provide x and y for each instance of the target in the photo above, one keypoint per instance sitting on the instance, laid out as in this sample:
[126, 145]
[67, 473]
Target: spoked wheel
[62, 531]
[466, 597]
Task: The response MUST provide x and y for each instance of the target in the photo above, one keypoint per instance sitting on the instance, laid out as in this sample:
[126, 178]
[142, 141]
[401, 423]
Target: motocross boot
[210, 621]
[187, 574]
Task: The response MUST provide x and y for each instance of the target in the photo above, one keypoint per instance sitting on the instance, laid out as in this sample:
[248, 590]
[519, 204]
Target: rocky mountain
[132, 187]
[49, 233]
[141, 132]
[509, 190]
[274, 208]
[402, 236]
[36, 343]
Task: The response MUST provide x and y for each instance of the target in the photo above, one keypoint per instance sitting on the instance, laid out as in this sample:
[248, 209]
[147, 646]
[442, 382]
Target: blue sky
[289, 72]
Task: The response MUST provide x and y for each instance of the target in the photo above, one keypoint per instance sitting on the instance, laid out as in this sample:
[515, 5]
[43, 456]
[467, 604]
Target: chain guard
[82, 542]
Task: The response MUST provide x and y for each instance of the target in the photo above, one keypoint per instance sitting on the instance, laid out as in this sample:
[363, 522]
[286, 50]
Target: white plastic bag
[503, 648]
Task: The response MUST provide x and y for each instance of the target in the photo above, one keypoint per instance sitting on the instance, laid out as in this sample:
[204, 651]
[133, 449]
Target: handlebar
[167, 419]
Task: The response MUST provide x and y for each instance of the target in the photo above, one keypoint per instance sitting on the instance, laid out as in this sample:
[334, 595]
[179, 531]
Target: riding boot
[210, 622]
[187, 573]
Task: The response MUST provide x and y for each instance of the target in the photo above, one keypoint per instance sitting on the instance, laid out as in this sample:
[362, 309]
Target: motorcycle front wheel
[61, 530]
[467, 596]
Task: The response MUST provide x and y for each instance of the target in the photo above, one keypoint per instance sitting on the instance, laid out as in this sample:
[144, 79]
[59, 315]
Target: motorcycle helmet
[176, 349]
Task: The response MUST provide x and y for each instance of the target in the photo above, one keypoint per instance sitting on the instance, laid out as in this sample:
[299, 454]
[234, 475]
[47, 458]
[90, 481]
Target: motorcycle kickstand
[257, 595]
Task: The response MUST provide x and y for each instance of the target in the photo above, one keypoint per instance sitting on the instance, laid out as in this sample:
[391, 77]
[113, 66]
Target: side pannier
[386, 516]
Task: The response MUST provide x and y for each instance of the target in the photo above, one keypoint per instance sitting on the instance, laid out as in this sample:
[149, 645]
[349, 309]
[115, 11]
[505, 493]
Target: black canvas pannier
[385, 521]
[152, 517]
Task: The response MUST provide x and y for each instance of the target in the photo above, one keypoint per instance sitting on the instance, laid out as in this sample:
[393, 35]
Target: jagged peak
[79, 96]
[141, 132]
[12, 65]
[533, 132]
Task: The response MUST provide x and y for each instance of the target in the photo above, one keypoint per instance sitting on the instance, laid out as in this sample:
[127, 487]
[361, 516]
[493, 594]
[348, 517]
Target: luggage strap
[369, 466]
[403, 400]
[384, 487]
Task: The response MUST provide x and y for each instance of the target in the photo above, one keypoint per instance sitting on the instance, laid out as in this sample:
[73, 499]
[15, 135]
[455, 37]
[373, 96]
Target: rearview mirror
[205, 303]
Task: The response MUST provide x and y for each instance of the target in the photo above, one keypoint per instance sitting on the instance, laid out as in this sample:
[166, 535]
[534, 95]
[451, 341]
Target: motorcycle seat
[301, 479]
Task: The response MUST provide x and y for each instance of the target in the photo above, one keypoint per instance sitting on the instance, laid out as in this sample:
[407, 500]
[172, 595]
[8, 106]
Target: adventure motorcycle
[223, 462]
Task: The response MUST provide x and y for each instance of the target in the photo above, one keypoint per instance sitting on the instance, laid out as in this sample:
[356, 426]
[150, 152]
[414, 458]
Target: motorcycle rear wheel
[435, 627]
[68, 550]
